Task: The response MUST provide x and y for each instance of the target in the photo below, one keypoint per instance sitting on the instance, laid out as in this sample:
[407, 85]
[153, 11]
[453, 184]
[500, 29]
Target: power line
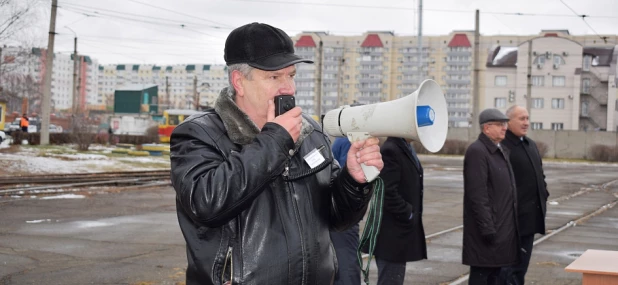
[176, 22]
[183, 14]
[414, 9]
[584, 19]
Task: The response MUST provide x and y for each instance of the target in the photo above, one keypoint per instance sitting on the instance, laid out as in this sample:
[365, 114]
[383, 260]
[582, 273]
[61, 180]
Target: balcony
[459, 53]
[457, 81]
[370, 89]
[370, 80]
[370, 71]
[458, 72]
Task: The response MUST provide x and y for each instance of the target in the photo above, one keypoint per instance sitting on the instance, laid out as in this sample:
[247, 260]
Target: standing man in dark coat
[402, 237]
[490, 239]
[531, 190]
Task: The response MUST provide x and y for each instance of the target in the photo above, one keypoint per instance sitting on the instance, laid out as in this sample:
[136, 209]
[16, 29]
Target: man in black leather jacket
[257, 194]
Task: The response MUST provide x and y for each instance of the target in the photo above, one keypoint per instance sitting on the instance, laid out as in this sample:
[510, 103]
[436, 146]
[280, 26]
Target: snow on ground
[28, 159]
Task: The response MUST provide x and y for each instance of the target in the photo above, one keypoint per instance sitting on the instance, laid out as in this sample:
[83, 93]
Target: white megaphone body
[420, 116]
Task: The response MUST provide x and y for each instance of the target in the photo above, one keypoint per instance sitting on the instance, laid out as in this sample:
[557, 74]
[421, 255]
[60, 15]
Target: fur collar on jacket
[240, 128]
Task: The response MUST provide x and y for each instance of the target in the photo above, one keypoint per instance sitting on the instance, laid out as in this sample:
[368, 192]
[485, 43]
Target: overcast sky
[151, 31]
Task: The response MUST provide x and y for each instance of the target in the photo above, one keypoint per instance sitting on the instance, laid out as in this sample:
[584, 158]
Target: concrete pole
[476, 93]
[318, 106]
[420, 43]
[49, 67]
[196, 98]
[529, 81]
[75, 91]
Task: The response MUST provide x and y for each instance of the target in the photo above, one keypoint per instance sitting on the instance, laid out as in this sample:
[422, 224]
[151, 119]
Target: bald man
[531, 190]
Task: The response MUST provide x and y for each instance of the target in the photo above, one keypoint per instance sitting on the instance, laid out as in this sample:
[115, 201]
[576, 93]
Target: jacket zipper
[300, 228]
[228, 257]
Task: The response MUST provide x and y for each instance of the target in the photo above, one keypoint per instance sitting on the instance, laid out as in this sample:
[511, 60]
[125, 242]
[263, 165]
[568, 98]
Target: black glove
[489, 239]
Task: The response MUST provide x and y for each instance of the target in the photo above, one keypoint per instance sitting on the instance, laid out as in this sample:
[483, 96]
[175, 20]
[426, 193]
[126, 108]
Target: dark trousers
[346, 244]
[390, 273]
[514, 275]
[484, 275]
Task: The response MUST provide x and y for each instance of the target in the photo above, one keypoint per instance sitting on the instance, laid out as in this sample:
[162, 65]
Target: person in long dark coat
[531, 190]
[490, 239]
[402, 237]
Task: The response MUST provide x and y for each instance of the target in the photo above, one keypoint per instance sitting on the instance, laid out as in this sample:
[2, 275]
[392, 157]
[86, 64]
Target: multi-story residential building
[572, 86]
[29, 68]
[179, 85]
[380, 66]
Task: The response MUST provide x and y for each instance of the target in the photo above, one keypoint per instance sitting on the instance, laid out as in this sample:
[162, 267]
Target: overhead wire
[584, 19]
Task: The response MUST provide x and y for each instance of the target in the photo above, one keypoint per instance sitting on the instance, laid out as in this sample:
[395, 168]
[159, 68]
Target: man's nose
[287, 86]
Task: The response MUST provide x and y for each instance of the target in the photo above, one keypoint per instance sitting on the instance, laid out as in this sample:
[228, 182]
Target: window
[536, 126]
[586, 86]
[585, 108]
[557, 103]
[537, 103]
[558, 60]
[558, 81]
[500, 81]
[556, 126]
[500, 102]
[538, 80]
[587, 62]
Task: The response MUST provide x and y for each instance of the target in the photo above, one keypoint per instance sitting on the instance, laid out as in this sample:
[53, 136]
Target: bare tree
[16, 16]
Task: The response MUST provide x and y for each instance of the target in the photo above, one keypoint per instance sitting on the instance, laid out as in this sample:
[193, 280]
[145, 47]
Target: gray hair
[510, 110]
[244, 69]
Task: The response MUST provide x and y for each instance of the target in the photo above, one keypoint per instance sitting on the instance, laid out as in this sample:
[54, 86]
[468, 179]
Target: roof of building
[206, 67]
[136, 87]
[555, 31]
[459, 40]
[135, 67]
[502, 57]
[120, 67]
[305, 41]
[156, 68]
[372, 40]
[602, 55]
[190, 67]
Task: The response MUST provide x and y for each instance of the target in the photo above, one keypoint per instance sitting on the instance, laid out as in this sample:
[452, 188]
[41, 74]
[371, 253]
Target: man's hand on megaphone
[291, 120]
[367, 152]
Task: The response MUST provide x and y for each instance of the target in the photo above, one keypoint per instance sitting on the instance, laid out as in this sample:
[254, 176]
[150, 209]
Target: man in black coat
[490, 239]
[402, 237]
[531, 190]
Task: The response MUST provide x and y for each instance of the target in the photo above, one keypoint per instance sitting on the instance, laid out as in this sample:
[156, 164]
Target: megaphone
[421, 116]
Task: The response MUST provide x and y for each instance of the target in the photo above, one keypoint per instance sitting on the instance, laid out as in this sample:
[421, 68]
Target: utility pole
[529, 81]
[75, 91]
[49, 67]
[196, 98]
[167, 92]
[318, 106]
[0, 70]
[420, 43]
[476, 99]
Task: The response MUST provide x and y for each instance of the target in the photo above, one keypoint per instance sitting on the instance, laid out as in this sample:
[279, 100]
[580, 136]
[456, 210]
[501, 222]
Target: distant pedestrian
[490, 239]
[24, 123]
[531, 190]
[110, 134]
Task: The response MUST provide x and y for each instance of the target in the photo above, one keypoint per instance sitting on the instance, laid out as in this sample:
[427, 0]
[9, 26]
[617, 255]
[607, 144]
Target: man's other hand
[367, 152]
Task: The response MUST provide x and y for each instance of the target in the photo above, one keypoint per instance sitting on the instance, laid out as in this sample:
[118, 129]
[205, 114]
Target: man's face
[265, 85]
[518, 122]
[495, 130]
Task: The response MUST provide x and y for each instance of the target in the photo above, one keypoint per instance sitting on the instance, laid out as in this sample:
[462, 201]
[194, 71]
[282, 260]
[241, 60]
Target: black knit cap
[261, 46]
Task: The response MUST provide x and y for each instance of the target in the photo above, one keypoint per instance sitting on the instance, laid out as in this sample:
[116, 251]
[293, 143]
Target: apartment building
[572, 86]
[179, 85]
[578, 77]
[26, 68]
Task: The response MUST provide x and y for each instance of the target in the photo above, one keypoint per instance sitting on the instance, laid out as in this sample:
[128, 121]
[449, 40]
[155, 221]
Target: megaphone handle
[371, 172]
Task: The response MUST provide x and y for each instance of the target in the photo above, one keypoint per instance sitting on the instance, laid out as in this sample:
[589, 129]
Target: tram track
[580, 219]
[8, 182]
[83, 183]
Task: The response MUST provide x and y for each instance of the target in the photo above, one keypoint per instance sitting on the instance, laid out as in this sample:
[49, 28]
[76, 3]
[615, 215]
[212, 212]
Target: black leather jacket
[252, 210]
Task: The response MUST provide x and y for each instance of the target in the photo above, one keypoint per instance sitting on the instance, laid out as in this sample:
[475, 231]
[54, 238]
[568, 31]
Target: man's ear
[237, 79]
